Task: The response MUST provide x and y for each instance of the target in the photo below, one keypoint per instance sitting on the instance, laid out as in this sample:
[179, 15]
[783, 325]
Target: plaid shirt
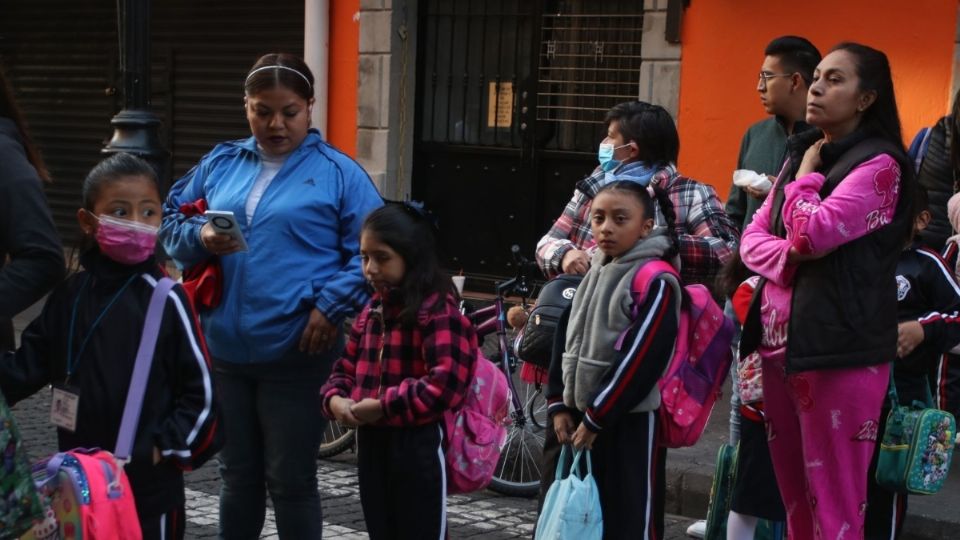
[417, 373]
[708, 238]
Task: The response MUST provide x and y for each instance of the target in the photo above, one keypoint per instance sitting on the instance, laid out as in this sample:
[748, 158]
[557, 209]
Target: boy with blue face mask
[641, 146]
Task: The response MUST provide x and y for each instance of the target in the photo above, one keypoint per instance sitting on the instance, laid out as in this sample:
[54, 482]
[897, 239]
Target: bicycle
[518, 470]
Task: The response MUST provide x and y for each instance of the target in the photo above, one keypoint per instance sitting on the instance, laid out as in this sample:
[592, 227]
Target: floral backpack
[700, 363]
[476, 430]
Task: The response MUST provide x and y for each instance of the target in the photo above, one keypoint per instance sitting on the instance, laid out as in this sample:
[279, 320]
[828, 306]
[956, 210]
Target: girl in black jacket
[85, 341]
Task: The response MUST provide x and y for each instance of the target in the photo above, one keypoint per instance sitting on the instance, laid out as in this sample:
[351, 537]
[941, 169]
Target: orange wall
[342, 84]
[723, 42]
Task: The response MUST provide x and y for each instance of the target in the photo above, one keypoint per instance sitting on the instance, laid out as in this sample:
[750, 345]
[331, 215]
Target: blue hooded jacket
[303, 241]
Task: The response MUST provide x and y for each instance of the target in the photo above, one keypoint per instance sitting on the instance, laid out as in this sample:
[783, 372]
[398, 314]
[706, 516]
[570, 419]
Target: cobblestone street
[479, 515]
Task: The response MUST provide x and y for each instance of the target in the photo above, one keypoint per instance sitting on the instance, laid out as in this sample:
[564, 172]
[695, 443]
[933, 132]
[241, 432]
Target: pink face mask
[125, 241]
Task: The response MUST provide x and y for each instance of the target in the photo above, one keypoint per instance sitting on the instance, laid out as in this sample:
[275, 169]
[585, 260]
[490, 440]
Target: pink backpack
[87, 491]
[476, 430]
[701, 360]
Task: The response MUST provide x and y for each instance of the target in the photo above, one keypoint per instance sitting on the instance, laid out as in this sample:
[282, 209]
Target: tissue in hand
[748, 178]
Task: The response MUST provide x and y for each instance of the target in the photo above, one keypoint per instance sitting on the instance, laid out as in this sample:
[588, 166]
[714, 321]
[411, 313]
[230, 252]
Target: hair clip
[418, 211]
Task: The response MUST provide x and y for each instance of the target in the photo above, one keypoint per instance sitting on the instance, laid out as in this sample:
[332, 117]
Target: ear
[647, 226]
[797, 84]
[923, 219]
[88, 222]
[634, 149]
[866, 100]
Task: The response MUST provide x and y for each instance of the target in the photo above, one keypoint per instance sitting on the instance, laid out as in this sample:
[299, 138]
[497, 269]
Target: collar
[313, 138]
[590, 185]
[107, 270]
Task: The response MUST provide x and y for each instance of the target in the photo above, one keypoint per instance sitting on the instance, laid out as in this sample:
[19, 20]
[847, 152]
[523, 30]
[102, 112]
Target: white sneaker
[698, 529]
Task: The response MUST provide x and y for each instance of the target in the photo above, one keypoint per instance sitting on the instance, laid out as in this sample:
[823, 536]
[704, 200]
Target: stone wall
[660, 72]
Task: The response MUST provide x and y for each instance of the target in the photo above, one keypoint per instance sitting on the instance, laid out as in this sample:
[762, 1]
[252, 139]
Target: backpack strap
[918, 148]
[641, 285]
[647, 273]
[141, 369]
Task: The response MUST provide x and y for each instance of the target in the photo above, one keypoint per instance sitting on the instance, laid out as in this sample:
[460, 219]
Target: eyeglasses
[765, 77]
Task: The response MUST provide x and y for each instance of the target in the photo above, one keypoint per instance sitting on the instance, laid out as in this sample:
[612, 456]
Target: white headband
[278, 66]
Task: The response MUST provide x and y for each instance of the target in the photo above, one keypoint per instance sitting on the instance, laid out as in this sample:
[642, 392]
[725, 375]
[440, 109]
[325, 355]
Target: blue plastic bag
[571, 509]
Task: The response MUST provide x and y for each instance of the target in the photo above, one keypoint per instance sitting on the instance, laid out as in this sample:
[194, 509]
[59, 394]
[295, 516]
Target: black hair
[9, 109]
[111, 169]
[880, 119]
[731, 275]
[922, 199]
[796, 55]
[649, 209]
[290, 71]
[651, 127]
[409, 231]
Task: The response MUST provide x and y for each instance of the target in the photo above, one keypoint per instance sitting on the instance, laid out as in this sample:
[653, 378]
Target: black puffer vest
[936, 174]
[844, 305]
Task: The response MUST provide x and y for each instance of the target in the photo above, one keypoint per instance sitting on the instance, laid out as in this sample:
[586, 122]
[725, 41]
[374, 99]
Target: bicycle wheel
[336, 439]
[518, 471]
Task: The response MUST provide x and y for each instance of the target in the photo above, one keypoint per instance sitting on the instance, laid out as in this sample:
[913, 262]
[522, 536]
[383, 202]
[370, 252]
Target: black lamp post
[135, 127]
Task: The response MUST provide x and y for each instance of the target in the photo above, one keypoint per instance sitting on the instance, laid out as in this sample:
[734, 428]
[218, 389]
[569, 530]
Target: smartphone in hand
[224, 222]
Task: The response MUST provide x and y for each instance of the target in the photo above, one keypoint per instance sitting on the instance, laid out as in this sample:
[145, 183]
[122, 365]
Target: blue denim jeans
[273, 427]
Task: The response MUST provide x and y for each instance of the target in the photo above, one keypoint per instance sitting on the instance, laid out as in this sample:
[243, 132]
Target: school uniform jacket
[926, 292]
[179, 415]
[638, 346]
[417, 373]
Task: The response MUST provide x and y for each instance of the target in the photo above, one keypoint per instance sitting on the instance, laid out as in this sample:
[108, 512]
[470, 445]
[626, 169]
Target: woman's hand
[217, 243]
[575, 261]
[909, 336]
[319, 334]
[340, 407]
[563, 426]
[583, 438]
[811, 159]
[368, 411]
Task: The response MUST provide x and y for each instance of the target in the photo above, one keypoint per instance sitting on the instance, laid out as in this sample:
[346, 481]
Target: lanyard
[73, 321]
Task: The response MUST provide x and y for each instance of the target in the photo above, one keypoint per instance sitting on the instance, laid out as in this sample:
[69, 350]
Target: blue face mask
[605, 156]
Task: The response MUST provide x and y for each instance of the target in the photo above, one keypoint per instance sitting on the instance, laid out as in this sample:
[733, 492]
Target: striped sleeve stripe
[634, 357]
[943, 268]
[935, 316]
[187, 322]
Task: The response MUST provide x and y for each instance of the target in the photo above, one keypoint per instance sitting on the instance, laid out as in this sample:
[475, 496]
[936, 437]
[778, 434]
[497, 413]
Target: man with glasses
[784, 77]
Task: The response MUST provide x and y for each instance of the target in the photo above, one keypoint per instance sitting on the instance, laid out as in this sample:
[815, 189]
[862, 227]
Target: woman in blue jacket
[276, 331]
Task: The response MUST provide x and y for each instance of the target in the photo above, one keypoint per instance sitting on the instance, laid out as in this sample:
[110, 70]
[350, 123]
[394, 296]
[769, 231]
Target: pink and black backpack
[700, 363]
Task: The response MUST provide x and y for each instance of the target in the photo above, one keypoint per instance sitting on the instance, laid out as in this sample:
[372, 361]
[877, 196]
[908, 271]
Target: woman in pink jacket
[824, 314]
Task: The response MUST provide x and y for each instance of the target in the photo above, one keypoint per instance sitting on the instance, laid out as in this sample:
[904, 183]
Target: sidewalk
[689, 475]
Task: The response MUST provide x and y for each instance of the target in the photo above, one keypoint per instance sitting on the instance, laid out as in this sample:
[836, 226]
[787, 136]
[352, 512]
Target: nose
[276, 121]
[815, 89]
[761, 85]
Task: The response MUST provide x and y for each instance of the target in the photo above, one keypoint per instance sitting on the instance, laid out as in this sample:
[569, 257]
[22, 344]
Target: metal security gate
[510, 105]
[61, 57]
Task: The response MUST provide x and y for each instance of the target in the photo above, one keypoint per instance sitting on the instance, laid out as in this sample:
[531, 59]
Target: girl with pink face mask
[85, 341]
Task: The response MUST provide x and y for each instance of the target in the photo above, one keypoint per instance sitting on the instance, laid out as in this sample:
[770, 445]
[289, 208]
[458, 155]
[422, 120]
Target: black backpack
[536, 340]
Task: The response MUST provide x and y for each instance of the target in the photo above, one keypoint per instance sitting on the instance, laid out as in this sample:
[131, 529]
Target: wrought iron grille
[589, 60]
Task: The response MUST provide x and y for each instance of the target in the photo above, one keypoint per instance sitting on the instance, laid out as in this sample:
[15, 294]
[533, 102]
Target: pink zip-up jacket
[864, 201]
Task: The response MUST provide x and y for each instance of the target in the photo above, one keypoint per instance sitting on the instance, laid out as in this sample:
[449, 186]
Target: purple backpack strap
[141, 369]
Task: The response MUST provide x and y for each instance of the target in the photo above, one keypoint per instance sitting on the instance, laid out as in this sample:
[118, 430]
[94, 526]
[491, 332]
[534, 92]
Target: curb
[688, 494]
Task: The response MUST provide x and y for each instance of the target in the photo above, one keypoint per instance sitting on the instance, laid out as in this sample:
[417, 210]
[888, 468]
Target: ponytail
[670, 218]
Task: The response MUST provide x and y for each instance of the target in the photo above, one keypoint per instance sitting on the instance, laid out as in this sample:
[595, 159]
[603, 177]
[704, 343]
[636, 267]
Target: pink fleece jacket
[864, 201]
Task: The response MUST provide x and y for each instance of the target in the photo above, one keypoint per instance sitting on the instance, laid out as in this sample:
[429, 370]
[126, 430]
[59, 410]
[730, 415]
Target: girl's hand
[319, 334]
[217, 243]
[811, 159]
[563, 426]
[909, 336]
[341, 409]
[583, 438]
[368, 410]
